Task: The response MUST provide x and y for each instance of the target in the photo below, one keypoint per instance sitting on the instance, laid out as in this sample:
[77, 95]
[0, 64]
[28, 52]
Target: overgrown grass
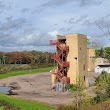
[105, 105]
[16, 67]
[22, 72]
[7, 106]
[25, 104]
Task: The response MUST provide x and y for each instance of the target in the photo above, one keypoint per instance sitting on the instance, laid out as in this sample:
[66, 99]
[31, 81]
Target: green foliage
[7, 106]
[101, 106]
[105, 105]
[102, 78]
[102, 90]
[25, 104]
[100, 53]
[68, 107]
[71, 87]
[79, 92]
[83, 102]
[107, 52]
[108, 87]
[103, 52]
[97, 52]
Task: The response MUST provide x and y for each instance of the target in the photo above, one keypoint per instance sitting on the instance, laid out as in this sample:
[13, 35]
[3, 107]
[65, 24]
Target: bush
[71, 87]
[101, 106]
[6, 106]
[41, 65]
[67, 107]
[14, 67]
[102, 89]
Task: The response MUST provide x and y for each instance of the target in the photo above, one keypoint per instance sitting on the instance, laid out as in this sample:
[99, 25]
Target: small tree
[102, 83]
[80, 93]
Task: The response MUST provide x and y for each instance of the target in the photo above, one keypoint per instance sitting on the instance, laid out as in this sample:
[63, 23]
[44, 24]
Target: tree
[104, 25]
[102, 90]
[103, 53]
[107, 53]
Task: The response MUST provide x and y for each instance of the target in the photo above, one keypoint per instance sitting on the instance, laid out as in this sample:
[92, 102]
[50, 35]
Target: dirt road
[37, 87]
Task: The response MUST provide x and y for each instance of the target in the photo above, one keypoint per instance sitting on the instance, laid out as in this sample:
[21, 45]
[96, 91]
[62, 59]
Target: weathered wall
[91, 59]
[72, 42]
[82, 56]
[77, 56]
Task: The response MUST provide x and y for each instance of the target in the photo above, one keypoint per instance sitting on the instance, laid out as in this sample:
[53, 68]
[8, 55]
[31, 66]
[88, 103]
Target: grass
[21, 103]
[105, 105]
[25, 104]
[22, 72]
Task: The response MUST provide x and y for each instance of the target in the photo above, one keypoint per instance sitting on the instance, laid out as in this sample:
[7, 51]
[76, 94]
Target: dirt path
[37, 87]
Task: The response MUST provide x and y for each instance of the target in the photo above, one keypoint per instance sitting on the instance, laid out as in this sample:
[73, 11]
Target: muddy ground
[38, 87]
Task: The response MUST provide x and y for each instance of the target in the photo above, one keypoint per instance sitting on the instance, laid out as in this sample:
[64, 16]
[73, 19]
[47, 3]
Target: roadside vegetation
[101, 106]
[7, 106]
[9, 103]
[101, 100]
[16, 67]
[22, 72]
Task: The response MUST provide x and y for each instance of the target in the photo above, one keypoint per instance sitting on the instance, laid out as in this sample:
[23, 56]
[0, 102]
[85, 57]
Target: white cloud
[53, 33]
[21, 29]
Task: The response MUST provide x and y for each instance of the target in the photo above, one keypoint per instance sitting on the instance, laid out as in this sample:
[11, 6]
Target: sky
[30, 24]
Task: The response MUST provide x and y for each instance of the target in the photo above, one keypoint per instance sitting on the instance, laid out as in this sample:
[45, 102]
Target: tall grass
[105, 105]
[22, 72]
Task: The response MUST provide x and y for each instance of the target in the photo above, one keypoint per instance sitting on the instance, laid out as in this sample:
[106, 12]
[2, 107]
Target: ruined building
[71, 58]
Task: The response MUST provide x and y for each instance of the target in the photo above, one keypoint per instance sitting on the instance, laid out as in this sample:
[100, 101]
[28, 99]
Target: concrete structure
[100, 68]
[101, 61]
[71, 58]
[92, 61]
[91, 58]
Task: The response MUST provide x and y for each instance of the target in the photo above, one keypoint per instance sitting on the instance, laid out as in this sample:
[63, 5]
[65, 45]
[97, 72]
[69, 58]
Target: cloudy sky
[30, 24]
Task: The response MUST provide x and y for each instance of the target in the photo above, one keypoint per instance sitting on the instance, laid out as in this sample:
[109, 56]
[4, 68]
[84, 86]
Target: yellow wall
[77, 49]
[82, 55]
[91, 59]
[72, 42]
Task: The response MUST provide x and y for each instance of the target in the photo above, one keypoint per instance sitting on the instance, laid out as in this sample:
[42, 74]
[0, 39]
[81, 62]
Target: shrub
[67, 107]
[14, 67]
[7, 106]
[102, 89]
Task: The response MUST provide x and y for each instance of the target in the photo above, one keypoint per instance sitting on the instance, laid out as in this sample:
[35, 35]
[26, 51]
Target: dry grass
[101, 106]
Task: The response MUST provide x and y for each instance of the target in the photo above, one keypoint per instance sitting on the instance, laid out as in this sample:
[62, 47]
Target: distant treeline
[103, 52]
[25, 57]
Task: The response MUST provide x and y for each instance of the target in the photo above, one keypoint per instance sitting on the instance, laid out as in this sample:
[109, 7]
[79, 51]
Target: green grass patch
[25, 104]
[22, 72]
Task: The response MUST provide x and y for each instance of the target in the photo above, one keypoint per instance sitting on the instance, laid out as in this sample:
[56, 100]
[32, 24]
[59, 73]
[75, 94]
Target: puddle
[5, 89]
